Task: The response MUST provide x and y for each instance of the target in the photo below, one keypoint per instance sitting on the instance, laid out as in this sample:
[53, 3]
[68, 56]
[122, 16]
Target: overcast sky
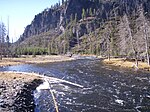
[21, 13]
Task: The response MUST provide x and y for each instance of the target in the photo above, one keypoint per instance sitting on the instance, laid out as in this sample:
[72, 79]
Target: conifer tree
[91, 14]
[2, 38]
[63, 2]
[76, 17]
[83, 14]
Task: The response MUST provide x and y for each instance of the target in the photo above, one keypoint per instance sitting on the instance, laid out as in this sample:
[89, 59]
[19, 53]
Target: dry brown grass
[5, 62]
[120, 62]
[25, 77]
[32, 60]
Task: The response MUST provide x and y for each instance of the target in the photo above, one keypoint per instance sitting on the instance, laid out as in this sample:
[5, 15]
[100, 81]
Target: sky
[21, 13]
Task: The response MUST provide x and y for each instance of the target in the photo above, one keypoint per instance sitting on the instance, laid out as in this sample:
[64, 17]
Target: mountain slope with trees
[101, 27]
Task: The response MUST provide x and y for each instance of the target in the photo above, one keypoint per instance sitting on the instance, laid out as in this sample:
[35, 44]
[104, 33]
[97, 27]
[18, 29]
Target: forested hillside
[101, 27]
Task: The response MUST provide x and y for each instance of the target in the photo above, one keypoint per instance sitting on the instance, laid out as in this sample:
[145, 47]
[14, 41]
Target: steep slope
[86, 26]
[56, 17]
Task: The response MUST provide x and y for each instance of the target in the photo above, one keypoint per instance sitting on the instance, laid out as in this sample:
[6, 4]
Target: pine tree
[94, 12]
[76, 17]
[91, 14]
[83, 14]
[63, 2]
[71, 18]
[2, 38]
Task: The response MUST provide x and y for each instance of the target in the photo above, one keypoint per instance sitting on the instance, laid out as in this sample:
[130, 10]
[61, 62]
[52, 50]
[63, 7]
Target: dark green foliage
[32, 51]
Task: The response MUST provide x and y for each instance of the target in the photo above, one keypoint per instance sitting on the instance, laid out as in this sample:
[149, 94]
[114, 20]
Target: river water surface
[104, 89]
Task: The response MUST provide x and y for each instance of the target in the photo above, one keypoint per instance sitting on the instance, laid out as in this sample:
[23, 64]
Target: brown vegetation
[33, 60]
[12, 76]
[121, 62]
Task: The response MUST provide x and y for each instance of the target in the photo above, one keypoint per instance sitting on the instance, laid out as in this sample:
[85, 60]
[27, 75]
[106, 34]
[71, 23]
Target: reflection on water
[105, 90]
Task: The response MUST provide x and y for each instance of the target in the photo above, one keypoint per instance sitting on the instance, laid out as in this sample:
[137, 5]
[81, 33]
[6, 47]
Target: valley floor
[121, 62]
[16, 89]
[33, 60]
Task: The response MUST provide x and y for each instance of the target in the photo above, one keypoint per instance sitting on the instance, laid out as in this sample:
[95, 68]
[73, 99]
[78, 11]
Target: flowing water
[104, 89]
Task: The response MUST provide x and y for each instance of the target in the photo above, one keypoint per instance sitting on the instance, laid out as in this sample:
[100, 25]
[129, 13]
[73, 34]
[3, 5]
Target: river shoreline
[121, 62]
[34, 60]
[111, 82]
[16, 88]
[16, 91]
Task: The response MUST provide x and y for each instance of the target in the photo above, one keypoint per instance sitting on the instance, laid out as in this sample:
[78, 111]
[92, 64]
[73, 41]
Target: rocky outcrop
[57, 18]
[61, 18]
[43, 22]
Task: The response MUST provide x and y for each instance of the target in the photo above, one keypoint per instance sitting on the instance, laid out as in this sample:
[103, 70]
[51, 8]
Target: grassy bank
[120, 62]
[13, 76]
[33, 60]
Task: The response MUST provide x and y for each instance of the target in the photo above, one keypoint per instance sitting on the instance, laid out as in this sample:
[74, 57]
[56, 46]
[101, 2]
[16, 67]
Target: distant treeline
[32, 51]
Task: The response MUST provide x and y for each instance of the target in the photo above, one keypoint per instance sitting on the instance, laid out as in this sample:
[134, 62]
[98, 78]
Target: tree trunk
[109, 56]
[147, 53]
[0, 56]
[136, 59]
[0, 49]
[77, 33]
[109, 52]
[134, 50]
[136, 63]
[148, 59]
[146, 45]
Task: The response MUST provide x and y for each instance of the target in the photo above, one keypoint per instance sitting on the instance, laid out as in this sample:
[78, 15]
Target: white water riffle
[119, 101]
[50, 80]
[44, 86]
[48, 85]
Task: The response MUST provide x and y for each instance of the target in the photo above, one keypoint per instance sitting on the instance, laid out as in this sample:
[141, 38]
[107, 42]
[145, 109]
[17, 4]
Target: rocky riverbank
[16, 91]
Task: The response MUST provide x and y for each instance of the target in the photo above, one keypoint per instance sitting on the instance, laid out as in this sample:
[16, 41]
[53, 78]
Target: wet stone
[15, 96]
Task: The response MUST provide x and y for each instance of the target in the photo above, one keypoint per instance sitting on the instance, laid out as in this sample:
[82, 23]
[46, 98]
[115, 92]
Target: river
[105, 89]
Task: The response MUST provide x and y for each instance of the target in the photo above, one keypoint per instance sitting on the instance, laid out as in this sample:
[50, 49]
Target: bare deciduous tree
[127, 42]
[143, 33]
